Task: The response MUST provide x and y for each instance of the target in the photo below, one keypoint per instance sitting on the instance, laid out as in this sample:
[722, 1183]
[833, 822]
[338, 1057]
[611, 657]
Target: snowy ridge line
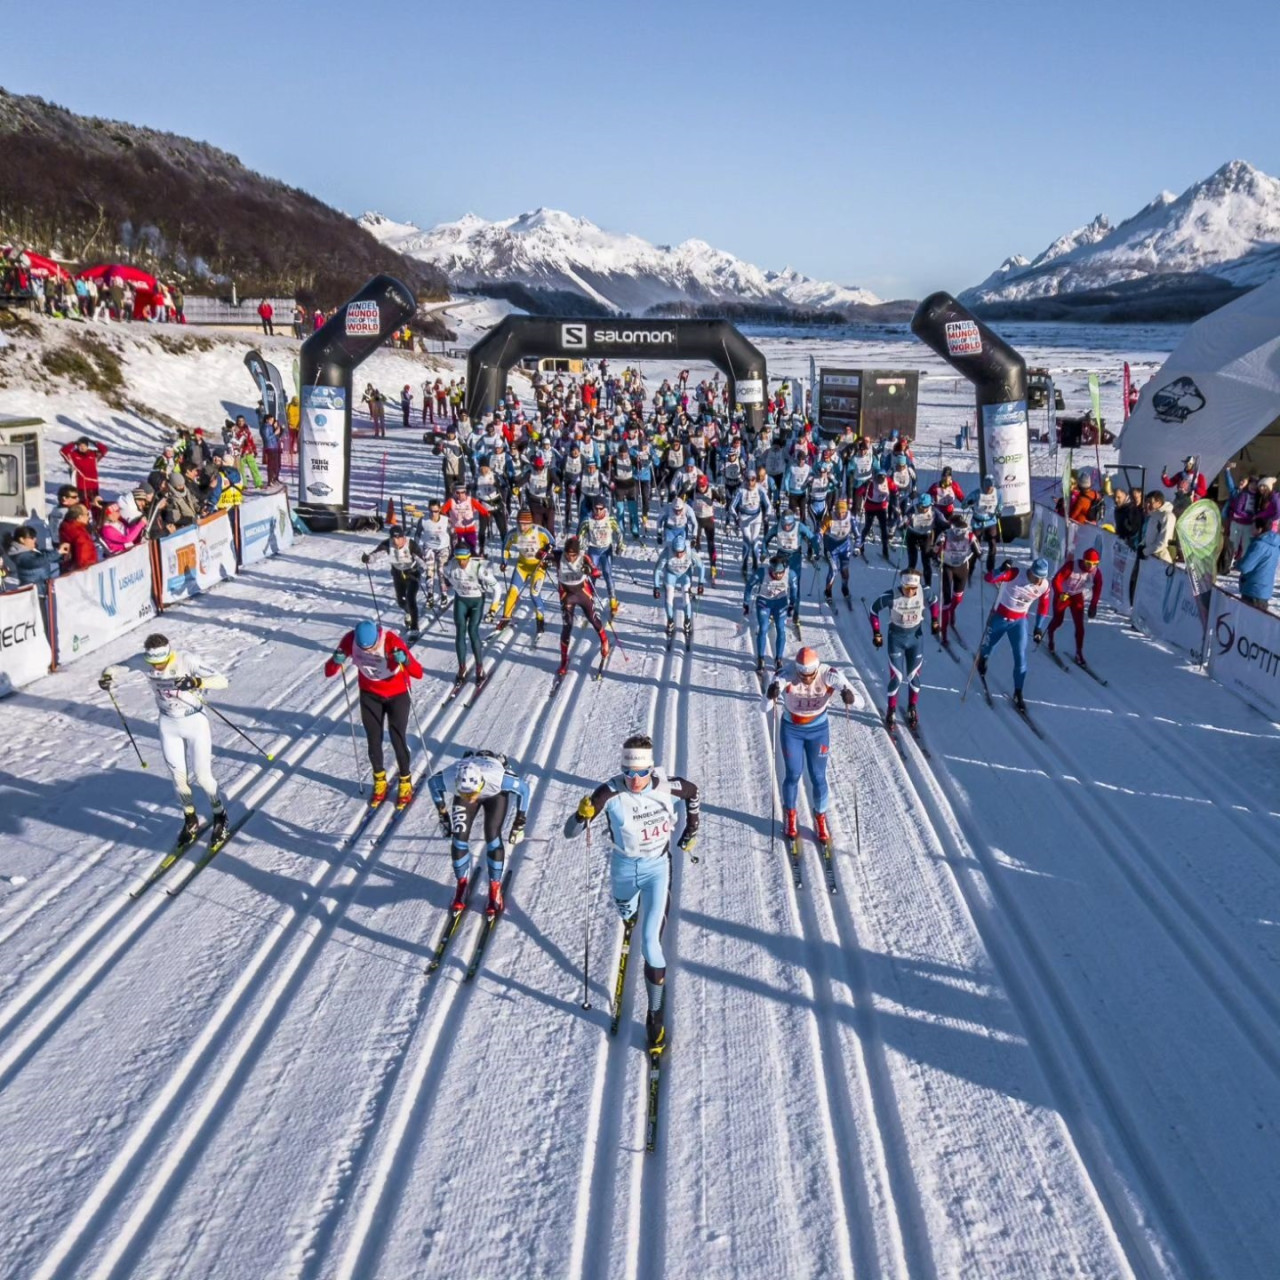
[108, 1194]
[1215, 950]
[1056, 1033]
[381, 1195]
[593, 1229]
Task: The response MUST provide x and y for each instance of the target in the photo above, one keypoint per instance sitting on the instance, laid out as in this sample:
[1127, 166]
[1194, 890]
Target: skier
[464, 514]
[704, 513]
[576, 574]
[407, 564]
[906, 639]
[1069, 585]
[603, 539]
[958, 552]
[677, 568]
[473, 582]
[176, 682]
[922, 529]
[531, 544]
[384, 667]
[433, 539]
[639, 807]
[750, 510]
[877, 495]
[771, 586]
[787, 538]
[806, 732]
[677, 517]
[837, 544]
[985, 504]
[481, 782]
[1009, 617]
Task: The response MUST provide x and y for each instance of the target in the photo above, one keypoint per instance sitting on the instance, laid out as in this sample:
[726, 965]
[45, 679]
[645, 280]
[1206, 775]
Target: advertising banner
[322, 460]
[1119, 560]
[1004, 430]
[265, 527]
[177, 578]
[750, 391]
[24, 649]
[1164, 606]
[215, 550]
[102, 602]
[1244, 651]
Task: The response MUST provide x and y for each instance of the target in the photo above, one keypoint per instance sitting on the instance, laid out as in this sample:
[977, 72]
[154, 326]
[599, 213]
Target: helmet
[397, 531]
[1039, 568]
[366, 634]
[1091, 556]
[790, 520]
[988, 482]
[703, 483]
[460, 489]
[807, 661]
[909, 581]
[1083, 477]
[677, 503]
[462, 551]
[925, 501]
[679, 541]
[777, 566]
[470, 779]
[539, 462]
[572, 546]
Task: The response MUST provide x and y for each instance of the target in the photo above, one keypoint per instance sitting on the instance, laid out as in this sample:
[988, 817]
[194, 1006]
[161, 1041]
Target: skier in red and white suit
[1069, 586]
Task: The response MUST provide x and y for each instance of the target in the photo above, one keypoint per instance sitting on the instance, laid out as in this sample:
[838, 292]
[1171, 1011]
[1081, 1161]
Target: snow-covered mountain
[1227, 226]
[548, 249]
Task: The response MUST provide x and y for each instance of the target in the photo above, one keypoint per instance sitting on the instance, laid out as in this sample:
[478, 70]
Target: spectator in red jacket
[266, 313]
[384, 667]
[1069, 585]
[1194, 477]
[77, 545]
[82, 457]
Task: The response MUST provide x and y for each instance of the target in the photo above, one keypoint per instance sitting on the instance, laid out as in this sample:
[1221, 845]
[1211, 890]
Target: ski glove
[772, 691]
[398, 657]
[188, 683]
[586, 810]
[877, 639]
[104, 680]
[687, 841]
[364, 559]
[1093, 611]
[517, 829]
[446, 828]
[1038, 635]
[846, 696]
[701, 588]
[935, 626]
[338, 658]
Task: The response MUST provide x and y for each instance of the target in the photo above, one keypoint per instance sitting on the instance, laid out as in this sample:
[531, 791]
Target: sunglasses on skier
[636, 773]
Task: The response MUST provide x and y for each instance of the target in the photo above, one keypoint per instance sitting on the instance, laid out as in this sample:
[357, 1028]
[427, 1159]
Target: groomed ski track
[1034, 1034]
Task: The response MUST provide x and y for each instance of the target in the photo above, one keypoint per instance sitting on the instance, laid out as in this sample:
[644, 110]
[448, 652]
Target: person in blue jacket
[1258, 566]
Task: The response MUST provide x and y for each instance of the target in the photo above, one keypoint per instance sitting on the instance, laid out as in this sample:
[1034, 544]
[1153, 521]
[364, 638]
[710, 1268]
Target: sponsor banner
[1165, 607]
[1004, 429]
[964, 339]
[24, 649]
[192, 560]
[1119, 560]
[177, 577]
[1244, 651]
[363, 319]
[265, 527]
[750, 391]
[322, 460]
[98, 604]
[1199, 534]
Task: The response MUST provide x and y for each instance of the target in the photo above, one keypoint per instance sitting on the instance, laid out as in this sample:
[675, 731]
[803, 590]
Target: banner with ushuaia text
[1244, 651]
[94, 605]
[24, 650]
[265, 526]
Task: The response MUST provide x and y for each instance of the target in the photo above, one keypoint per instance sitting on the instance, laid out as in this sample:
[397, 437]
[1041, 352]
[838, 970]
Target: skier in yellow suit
[530, 544]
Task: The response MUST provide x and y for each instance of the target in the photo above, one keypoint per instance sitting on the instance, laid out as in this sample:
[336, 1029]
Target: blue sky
[902, 147]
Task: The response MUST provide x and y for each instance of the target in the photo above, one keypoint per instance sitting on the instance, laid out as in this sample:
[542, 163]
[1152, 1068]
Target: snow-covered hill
[548, 249]
[1227, 226]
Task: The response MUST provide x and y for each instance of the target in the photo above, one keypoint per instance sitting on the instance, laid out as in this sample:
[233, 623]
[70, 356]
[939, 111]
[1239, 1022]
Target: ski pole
[351, 719]
[618, 643]
[586, 943]
[417, 724]
[773, 779]
[225, 720]
[125, 725]
[976, 656]
[377, 607]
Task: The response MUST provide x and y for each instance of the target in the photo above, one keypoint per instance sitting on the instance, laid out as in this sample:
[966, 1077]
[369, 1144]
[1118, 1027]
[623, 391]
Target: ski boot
[496, 902]
[1080, 662]
[890, 715]
[379, 789]
[500, 624]
[404, 791]
[982, 664]
[563, 669]
[431, 601]
[760, 668]
[190, 826]
[688, 629]
[789, 827]
[821, 828]
[480, 676]
[777, 667]
[1018, 701]
[604, 646]
[1051, 648]
[826, 595]
[460, 895]
[655, 1028]
[670, 630]
[408, 623]
[539, 624]
[913, 718]
[218, 828]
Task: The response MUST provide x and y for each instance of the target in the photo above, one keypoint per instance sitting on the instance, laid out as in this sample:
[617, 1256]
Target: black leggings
[394, 711]
[707, 525]
[466, 626]
[406, 585]
[880, 517]
[918, 547]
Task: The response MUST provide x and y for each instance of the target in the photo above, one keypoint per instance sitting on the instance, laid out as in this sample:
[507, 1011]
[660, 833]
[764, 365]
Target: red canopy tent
[146, 288]
[40, 265]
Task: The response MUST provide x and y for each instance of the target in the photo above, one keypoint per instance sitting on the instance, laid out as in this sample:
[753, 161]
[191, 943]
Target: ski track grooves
[353, 863]
[362, 1252]
[1056, 1033]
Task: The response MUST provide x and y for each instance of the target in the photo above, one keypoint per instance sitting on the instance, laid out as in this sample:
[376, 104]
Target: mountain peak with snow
[1225, 226]
[551, 249]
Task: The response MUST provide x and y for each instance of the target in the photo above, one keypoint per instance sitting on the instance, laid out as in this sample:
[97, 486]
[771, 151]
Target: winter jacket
[84, 466]
[84, 551]
[378, 670]
[34, 566]
[1199, 484]
[1258, 566]
[118, 537]
[1157, 533]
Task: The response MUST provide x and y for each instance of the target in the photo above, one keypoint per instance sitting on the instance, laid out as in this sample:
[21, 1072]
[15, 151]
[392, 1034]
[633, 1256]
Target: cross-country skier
[384, 666]
[433, 538]
[679, 568]
[906, 639]
[677, 517]
[1009, 617]
[771, 586]
[472, 581]
[703, 503]
[923, 527]
[877, 495]
[576, 575]
[750, 511]
[602, 538]
[531, 544]
[639, 808]
[1069, 585]
[481, 782]
[806, 689]
[985, 504]
[407, 564]
[957, 550]
[837, 543]
[176, 682]
[464, 514]
[788, 538]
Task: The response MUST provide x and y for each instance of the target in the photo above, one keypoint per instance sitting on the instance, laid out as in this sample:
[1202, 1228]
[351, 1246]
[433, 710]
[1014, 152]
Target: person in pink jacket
[118, 534]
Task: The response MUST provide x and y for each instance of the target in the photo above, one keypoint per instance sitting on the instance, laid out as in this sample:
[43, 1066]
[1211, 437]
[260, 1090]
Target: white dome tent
[1217, 396]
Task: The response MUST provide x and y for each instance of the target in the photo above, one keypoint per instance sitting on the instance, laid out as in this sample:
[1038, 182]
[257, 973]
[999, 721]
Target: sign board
[750, 391]
[322, 460]
[1004, 428]
[24, 648]
[1164, 606]
[363, 319]
[839, 400]
[1119, 561]
[265, 527]
[193, 559]
[1244, 651]
[964, 338]
[99, 603]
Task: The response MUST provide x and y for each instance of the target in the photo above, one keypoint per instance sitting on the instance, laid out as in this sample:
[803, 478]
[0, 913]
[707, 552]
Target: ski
[671, 639]
[828, 865]
[209, 854]
[986, 692]
[914, 730]
[655, 1087]
[950, 652]
[1089, 671]
[481, 685]
[794, 855]
[1062, 665]
[456, 689]
[688, 640]
[477, 956]
[450, 928]
[620, 981]
[556, 681]
[180, 847]
[604, 662]
[1026, 716]
[955, 631]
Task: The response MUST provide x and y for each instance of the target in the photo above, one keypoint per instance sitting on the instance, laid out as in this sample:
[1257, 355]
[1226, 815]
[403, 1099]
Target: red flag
[1127, 385]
